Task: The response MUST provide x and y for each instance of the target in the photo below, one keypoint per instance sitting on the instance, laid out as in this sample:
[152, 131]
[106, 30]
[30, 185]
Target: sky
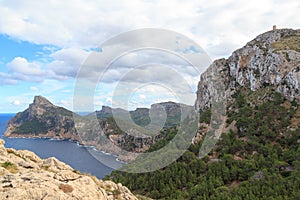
[47, 46]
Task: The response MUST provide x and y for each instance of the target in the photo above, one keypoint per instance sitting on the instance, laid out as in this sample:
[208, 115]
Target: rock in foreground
[23, 175]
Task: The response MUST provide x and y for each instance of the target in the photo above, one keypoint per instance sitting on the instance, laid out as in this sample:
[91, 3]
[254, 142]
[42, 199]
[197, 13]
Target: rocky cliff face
[271, 60]
[134, 136]
[43, 119]
[23, 175]
[141, 116]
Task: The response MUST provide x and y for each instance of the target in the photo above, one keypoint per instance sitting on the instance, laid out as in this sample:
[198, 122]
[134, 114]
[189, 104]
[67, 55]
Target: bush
[10, 167]
[116, 192]
[205, 116]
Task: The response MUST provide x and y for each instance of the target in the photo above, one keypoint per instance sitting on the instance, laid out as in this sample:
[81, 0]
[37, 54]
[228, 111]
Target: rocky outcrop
[23, 175]
[272, 60]
[43, 119]
[126, 137]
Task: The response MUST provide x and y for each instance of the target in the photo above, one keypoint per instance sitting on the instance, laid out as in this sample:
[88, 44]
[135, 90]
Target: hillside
[43, 119]
[255, 94]
[23, 175]
[100, 128]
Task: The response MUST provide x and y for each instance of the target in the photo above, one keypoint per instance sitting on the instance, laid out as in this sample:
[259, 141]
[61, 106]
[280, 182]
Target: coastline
[69, 140]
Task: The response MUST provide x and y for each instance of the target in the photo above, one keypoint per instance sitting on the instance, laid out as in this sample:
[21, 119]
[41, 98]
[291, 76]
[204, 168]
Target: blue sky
[43, 44]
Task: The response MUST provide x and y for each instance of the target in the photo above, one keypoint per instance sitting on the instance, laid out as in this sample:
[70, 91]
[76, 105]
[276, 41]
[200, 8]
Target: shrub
[116, 192]
[205, 116]
[10, 167]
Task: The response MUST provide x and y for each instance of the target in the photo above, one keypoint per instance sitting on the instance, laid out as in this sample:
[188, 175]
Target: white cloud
[67, 62]
[218, 26]
[69, 30]
[142, 96]
[50, 86]
[20, 69]
[16, 102]
[64, 65]
[35, 89]
[86, 24]
[22, 66]
[6, 79]
[64, 103]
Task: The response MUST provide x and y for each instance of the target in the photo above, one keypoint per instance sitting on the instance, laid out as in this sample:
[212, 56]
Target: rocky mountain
[23, 175]
[142, 116]
[271, 60]
[43, 119]
[137, 135]
[100, 129]
[267, 65]
[249, 107]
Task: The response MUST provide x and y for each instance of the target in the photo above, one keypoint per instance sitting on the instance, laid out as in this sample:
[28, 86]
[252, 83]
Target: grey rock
[256, 65]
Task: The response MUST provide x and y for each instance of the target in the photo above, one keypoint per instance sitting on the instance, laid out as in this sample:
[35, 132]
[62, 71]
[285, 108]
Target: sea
[84, 159]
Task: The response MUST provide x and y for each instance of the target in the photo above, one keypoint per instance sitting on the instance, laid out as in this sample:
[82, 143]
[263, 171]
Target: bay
[80, 158]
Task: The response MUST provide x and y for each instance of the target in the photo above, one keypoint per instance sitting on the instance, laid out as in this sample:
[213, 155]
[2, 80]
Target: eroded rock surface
[272, 59]
[23, 175]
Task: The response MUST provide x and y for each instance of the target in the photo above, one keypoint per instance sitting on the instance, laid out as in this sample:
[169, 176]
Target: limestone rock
[52, 164]
[66, 175]
[272, 59]
[43, 119]
[25, 176]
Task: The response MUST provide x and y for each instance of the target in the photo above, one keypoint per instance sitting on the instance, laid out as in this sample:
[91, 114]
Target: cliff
[247, 146]
[43, 119]
[23, 175]
[271, 60]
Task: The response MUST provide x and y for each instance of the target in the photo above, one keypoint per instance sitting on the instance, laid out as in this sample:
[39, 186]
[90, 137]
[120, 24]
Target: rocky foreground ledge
[23, 175]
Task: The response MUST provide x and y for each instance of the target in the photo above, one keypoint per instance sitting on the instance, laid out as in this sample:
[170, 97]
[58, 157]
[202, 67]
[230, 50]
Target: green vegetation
[31, 127]
[141, 116]
[116, 192]
[112, 125]
[172, 121]
[65, 112]
[103, 115]
[169, 134]
[42, 117]
[10, 167]
[205, 116]
[260, 161]
[287, 43]
[12, 151]
[7, 164]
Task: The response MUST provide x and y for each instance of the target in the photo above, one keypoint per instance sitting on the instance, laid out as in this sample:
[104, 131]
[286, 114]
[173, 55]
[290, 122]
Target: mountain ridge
[255, 155]
[42, 119]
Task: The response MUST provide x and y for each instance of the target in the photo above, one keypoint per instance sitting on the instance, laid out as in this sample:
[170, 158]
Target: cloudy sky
[45, 44]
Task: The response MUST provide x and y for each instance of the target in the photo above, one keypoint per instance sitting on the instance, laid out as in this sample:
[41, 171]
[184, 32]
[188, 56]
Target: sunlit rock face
[272, 59]
[23, 175]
